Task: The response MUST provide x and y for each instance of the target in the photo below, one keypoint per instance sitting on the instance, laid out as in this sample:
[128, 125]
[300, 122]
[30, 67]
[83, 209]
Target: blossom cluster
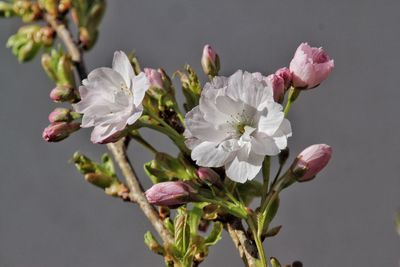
[238, 121]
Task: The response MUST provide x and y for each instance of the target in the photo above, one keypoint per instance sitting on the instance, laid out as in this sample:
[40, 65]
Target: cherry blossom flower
[236, 124]
[111, 98]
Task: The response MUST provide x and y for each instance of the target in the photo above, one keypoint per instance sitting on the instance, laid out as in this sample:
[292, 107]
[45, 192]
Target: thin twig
[136, 191]
[66, 37]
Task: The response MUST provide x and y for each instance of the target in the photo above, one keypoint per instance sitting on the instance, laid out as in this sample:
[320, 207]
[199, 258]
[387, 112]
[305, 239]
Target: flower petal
[122, 65]
[210, 154]
[263, 144]
[140, 84]
[245, 166]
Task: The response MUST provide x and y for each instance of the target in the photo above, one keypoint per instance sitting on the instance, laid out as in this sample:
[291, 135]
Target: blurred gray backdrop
[50, 217]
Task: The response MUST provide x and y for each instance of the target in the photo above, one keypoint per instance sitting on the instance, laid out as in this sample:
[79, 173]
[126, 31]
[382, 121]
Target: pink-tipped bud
[209, 176]
[58, 131]
[310, 66]
[155, 77]
[64, 94]
[286, 75]
[311, 161]
[210, 61]
[278, 87]
[61, 114]
[170, 193]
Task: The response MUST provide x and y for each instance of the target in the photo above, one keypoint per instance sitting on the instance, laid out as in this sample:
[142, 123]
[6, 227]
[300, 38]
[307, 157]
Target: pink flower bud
[310, 66]
[209, 176]
[277, 83]
[311, 161]
[154, 77]
[210, 61]
[286, 75]
[64, 94]
[169, 193]
[60, 114]
[58, 131]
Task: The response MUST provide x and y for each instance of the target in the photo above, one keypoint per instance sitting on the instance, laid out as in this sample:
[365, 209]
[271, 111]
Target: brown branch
[118, 149]
[246, 248]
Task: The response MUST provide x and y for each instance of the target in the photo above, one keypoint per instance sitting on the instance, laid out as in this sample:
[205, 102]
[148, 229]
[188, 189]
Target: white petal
[140, 84]
[103, 131]
[122, 65]
[248, 88]
[103, 79]
[244, 166]
[270, 123]
[210, 154]
[135, 116]
[201, 128]
[263, 144]
[284, 129]
[209, 108]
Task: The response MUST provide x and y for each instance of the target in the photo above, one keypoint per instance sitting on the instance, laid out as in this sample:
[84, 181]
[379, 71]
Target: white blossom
[111, 98]
[236, 124]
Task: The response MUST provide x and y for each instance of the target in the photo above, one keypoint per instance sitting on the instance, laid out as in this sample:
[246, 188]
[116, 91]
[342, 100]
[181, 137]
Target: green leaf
[182, 232]
[152, 243]
[195, 215]
[215, 234]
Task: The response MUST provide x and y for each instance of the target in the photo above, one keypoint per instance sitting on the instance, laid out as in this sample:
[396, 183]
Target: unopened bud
[275, 262]
[99, 179]
[209, 176]
[210, 61]
[63, 114]
[58, 131]
[311, 161]
[154, 77]
[286, 75]
[278, 87]
[170, 193]
[64, 94]
[45, 36]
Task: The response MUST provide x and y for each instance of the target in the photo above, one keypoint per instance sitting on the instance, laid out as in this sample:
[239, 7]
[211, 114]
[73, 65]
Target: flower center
[240, 128]
[123, 88]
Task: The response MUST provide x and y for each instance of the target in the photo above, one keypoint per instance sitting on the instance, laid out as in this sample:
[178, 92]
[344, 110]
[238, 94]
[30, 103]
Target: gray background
[50, 217]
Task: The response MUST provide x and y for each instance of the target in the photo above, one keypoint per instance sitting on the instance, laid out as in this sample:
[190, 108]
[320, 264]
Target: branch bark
[118, 149]
[66, 37]
[246, 248]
